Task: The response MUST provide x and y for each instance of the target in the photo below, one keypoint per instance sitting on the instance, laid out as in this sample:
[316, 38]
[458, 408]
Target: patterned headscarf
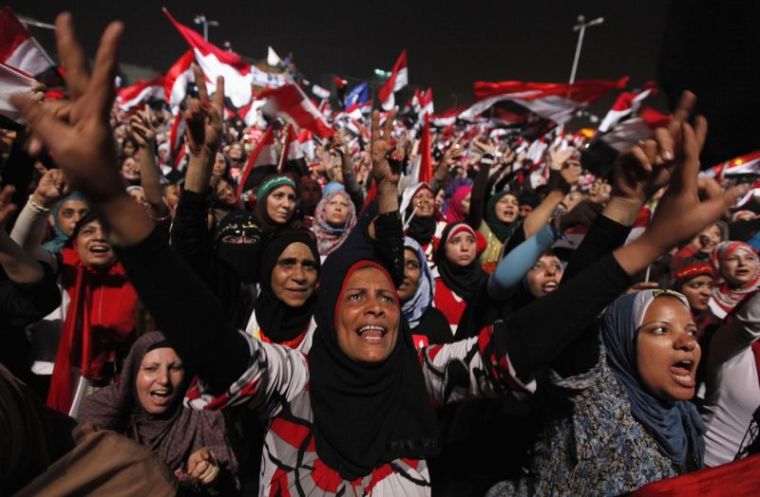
[725, 297]
[416, 306]
[676, 427]
[330, 237]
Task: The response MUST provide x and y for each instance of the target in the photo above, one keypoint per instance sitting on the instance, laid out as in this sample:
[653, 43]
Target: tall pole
[581, 27]
[205, 22]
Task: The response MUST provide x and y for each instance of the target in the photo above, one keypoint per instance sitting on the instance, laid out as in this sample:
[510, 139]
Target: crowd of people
[331, 325]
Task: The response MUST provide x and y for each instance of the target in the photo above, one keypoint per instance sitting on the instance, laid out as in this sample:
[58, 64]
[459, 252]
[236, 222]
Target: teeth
[370, 327]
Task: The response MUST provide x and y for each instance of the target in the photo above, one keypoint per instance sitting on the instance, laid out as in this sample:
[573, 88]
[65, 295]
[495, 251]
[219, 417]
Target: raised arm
[80, 138]
[150, 174]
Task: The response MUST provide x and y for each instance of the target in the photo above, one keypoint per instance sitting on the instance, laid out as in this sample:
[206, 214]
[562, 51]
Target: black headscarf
[278, 321]
[365, 414]
[243, 257]
[464, 281]
[499, 228]
[421, 229]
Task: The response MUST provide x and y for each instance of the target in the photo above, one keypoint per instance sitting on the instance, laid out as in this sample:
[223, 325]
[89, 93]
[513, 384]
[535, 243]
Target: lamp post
[581, 26]
[201, 19]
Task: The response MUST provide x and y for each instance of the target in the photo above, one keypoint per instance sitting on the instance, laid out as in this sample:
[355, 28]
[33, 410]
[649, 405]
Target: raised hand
[51, 187]
[78, 133]
[645, 168]
[142, 129]
[204, 117]
[383, 150]
[557, 157]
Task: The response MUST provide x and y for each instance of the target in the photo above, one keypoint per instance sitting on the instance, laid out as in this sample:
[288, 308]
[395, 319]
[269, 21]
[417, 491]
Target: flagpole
[581, 26]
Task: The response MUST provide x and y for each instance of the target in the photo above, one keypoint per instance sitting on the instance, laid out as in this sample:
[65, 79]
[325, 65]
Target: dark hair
[85, 220]
[128, 139]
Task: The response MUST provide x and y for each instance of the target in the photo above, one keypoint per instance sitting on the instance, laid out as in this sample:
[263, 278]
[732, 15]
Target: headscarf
[454, 210]
[676, 427]
[243, 257]
[278, 321]
[499, 228]
[421, 229]
[172, 435]
[269, 185]
[59, 237]
[330, 237]
[687, 268]
[725, 297]
[416, 306]
[331, 187]
[464, 281]
[365, 415]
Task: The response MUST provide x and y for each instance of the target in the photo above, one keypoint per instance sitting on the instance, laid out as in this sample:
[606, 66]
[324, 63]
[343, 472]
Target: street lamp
[581, 26]
[201, 19]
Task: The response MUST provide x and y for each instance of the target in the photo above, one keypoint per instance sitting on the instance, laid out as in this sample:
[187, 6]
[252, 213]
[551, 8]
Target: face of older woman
[93, 247]
[461, 249]
[281, 203]
[545, 275]
[412, 274]
[336, 210]
[698, 291]
[294, 277]
[368, 316]
[739, 268]
[158, 380]
[667, 351]
[424, 202]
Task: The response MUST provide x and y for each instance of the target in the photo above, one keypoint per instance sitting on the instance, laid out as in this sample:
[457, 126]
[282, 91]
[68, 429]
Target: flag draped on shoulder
[556, 102]
[291, 100]
[216, 62]
[19, 49]
[142, 91]
[399, 79]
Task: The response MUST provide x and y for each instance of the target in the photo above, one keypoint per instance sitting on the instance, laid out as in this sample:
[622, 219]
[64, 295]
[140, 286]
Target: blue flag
[358, 95]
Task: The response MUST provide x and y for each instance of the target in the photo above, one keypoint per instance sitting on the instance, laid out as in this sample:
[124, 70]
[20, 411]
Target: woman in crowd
[458, 205]
[334, 218]
[738, 270]
[460, 276]
[65, 214]
[146, 405]
[287, 301]
[421, 218]
[275, 203]
[427, 324]
[694, 278]
[732, 384]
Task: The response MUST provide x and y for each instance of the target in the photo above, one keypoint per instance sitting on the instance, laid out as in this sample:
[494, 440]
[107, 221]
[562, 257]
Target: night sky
[450, 44]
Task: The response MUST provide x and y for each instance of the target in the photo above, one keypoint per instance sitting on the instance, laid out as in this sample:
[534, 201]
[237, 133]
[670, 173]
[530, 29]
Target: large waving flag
[18, 48]
[399, 79]
[142, 91]
[556, 102]
[637, 127]
[215, 62]
[291, 100]
[177, 78]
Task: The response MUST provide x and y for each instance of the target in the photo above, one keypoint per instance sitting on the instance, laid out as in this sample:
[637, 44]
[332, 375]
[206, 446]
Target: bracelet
[37, 207]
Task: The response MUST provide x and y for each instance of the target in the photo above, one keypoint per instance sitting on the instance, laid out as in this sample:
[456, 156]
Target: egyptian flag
[631, 131]
[292, 101]
[626, 105]
[214, 62]
[12, 81]
[746, 165]
[176, 80]
[423, 168]
[142, 91]
[21, 50]
[399, 79]
[265, 154]
[519, 102]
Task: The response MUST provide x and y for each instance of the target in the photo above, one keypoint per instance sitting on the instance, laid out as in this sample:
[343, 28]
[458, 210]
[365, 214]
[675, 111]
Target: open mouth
[549, 286]
[160, 397]
[100, 249]
[683, 373]
[372, 333]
